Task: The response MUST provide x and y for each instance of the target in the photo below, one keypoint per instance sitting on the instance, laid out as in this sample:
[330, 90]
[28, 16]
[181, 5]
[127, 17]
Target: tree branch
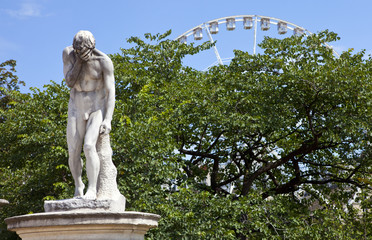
[303, 150]
[215, 141]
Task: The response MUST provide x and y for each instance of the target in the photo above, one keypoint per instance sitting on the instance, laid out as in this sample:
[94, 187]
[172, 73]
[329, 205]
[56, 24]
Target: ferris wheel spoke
[255, 35]
[219, 60]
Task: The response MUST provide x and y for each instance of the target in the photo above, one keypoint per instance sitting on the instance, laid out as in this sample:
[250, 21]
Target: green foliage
[8, 82]
[293, 118]
[33, 154]
[143, 143]
[220, 154]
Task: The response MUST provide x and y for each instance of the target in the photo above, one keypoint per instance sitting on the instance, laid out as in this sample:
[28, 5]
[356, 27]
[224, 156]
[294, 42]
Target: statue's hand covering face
[84, 53]
[83, 45]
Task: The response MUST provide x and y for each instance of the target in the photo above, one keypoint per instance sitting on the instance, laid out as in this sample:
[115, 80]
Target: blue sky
[34, 32]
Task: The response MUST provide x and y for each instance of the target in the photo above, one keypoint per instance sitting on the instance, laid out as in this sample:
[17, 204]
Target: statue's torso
[90, 77]
[88, 94]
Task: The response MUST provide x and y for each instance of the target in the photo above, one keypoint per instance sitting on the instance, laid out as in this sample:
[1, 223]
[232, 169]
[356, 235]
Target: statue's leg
[75, 133]
[90, 151]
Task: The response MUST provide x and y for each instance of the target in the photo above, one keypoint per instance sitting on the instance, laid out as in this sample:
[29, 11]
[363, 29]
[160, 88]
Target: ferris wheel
[248, 22]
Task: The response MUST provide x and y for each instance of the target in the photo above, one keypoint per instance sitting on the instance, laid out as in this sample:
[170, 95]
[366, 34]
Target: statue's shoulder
[104, 60]
[67, 52]
[101, 56]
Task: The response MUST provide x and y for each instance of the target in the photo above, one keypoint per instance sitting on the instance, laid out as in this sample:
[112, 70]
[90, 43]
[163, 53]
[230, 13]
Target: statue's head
[83, 44]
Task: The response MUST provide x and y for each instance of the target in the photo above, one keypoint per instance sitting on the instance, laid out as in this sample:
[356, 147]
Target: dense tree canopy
[274, 145]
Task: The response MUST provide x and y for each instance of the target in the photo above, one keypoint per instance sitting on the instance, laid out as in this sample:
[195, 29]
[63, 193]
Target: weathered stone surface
[78, 204]
[83, 225]
[106, 186]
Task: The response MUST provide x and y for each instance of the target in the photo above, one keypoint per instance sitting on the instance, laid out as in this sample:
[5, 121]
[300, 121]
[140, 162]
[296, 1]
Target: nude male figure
[90, 75]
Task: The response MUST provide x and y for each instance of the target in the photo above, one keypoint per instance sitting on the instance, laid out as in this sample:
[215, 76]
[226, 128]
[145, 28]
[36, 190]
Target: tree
[33, 151]
[293, 118]
[8, 81]
[220, 154]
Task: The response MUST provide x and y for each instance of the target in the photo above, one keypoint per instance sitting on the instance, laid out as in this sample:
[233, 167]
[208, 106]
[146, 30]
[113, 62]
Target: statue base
[82, 224]
[112, 205]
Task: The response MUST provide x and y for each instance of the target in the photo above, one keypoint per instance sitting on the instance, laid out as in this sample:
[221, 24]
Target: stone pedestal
[84, 225]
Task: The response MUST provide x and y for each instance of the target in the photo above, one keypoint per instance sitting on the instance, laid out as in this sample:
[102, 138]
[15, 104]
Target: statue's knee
[88, 148]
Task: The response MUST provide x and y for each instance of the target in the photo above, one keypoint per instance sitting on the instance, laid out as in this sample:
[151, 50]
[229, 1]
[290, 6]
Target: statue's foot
[79, 192]
[90, 194]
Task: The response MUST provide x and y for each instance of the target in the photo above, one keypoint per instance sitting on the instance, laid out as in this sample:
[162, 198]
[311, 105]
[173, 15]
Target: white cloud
[27, 9]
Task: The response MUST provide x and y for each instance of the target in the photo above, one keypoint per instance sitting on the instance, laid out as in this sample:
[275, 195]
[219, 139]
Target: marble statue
[90, 75]
[100, 213]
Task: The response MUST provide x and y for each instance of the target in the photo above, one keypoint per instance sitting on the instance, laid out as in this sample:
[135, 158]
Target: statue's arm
[109, 85]
[71, 66]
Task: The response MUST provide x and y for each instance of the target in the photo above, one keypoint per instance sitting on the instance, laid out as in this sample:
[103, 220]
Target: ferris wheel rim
[239, 18]
[257, 18]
